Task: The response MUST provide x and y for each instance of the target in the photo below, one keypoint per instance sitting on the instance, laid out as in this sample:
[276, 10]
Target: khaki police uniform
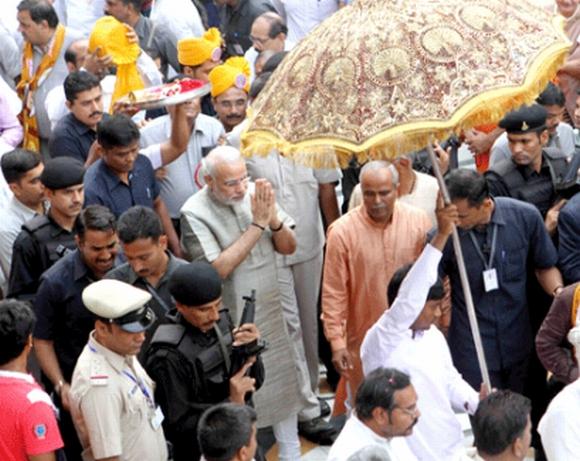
[112, 397]
[113, 407]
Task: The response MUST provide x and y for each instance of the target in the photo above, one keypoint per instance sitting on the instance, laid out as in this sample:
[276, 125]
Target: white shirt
[560, 425]
[183, 174]
[180, 17]
[80, 15]
[304, 15]
[13, 216]
[252, 54]
[426, 358]
[563, 140]
[423, 195]
[355, 436]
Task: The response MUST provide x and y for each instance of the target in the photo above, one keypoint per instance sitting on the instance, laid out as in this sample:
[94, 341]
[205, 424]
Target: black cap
[62, 172]
[195, 284]
[136, 321]
[527, 119]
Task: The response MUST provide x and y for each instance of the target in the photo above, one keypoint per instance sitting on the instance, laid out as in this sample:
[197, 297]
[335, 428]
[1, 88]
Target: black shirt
[71, 138]
[40, 244]
[61, 315]
[522, 182]
[183, 392]
[161, 300]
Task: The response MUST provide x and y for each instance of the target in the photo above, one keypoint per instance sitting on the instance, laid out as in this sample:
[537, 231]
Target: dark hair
[77, 82]
[551, 96]
[378, 390]
[136, 4]
[16, 323]
[139, 222]
[96, 218]
[70, 56]
[436, 292]
[258, 84]
[467, 184]
[16, 163]
[40, 10]
[117, 131]
[224, 429]
[272, 63]
[499, 420]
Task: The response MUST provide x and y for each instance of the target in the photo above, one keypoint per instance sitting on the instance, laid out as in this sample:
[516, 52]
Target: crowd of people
[164, 297]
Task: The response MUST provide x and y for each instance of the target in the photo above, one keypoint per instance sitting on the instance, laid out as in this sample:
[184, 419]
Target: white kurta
[355, 436]
[426, 358]
[560, 425]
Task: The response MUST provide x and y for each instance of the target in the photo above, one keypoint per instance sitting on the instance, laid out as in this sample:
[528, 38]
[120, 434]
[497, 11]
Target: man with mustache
[406, 338]
[238, 228]
[385, 413]
[45, 239]
[363, 250]
[76, 132]
[124, 177]
[230, 83]
[63, 322]
[112, 397]
[149, 263]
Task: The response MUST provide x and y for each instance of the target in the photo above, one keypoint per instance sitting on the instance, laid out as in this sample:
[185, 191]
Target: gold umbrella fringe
[489, 107]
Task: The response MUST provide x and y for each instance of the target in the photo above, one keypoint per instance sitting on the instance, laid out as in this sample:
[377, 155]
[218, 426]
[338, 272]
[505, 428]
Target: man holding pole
[500, 239]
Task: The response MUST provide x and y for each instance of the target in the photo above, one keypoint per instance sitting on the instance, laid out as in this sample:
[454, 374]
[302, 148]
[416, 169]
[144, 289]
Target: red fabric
[28, 421]
[482, 160]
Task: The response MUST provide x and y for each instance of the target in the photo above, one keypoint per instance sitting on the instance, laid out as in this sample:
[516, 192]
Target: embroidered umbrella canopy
[381, 77]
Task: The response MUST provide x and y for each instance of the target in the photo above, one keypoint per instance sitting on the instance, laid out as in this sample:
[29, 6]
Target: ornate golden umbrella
[381, 77]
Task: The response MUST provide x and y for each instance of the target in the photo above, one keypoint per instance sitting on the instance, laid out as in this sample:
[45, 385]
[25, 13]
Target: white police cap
[119, 303]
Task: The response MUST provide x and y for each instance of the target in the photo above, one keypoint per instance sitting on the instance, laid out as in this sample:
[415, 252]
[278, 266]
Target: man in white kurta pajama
[396, 340]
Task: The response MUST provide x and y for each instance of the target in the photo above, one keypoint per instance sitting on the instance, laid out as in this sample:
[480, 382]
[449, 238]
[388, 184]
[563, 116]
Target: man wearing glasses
[238, 227]
[386, 413]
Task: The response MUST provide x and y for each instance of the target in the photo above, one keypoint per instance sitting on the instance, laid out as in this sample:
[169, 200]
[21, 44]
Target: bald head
[75, 54]
[377, 165]
[269, 32]
[378, 182]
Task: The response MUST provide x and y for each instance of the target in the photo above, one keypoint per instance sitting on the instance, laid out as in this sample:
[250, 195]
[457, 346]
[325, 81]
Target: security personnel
[188, 358]
[535, 173]
[112, 400]
[45, 239]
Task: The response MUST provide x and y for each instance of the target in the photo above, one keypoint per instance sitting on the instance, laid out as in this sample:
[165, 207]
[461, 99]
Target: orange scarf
[29, 83]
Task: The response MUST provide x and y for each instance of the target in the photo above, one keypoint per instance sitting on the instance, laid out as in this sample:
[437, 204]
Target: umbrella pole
[463, 275]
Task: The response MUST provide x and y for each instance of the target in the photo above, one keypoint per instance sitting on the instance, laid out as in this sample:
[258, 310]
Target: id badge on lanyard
[490, 280]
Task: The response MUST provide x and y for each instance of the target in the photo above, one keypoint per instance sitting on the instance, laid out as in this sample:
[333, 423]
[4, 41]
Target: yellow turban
[110, 36]
[234, 72]
[195, 51]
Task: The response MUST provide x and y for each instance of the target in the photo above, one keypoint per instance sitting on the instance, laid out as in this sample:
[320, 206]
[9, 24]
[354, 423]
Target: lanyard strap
[487, 264]
[141, 385]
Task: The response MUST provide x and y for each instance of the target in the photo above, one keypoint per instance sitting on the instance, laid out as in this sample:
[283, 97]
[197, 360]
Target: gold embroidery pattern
[381, 76]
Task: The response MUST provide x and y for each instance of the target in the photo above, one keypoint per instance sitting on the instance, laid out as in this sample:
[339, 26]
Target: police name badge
[157, 418]
[490, 282]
